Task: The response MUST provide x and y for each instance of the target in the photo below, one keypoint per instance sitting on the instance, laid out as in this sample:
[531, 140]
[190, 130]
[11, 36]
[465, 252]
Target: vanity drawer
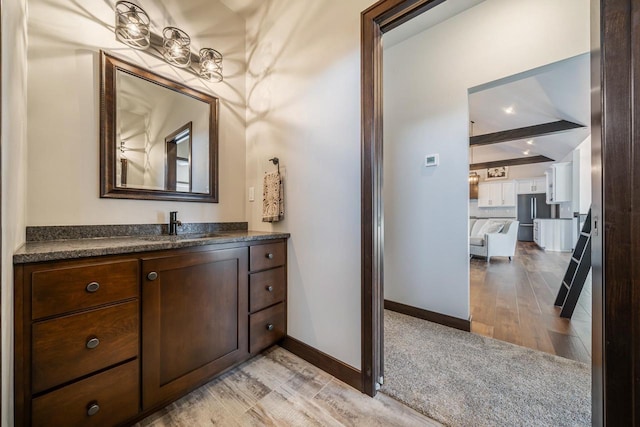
[266, 256]
[266, 327]
[62, 290]
[66, 348]
[113, 395]
[266, 288]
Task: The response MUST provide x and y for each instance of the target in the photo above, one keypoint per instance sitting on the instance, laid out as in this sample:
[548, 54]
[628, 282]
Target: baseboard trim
[329, 364]
[431, 316]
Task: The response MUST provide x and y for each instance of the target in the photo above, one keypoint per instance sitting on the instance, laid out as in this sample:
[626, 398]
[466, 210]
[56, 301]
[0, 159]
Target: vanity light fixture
[174, 45]
[210, 64]
[132, 25]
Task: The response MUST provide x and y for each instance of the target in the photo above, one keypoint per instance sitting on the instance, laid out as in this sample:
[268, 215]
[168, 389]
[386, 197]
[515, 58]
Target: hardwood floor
[513, 302]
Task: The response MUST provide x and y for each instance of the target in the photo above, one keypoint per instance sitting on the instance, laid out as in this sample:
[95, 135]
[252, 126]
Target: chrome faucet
[173, 223]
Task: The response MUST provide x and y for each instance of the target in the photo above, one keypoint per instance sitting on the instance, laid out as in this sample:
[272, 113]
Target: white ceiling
[558, 91]
[243, 7]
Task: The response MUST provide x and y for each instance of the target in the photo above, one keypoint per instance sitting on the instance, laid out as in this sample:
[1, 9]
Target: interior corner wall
[303, 106]
[426, 79]
[63, 109]
[14, 160]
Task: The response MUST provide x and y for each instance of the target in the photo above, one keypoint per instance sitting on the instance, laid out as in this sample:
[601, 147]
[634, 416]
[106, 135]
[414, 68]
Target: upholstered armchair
[493, 237]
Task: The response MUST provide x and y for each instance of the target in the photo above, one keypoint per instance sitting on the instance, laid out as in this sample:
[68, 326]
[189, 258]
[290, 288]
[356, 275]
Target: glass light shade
[132, 25]
[210, 64]
[474, 178]
[176, 44]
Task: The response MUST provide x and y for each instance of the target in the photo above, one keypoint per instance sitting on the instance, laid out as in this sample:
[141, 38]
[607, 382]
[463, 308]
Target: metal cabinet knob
[270, 256]
[92, 287]
[152, 276]
[269, 288]
[269, 326]
[93, 343]
[93, 409]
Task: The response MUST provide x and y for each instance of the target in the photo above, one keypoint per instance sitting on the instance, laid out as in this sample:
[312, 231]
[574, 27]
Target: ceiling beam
[510, 162]
[523, 133]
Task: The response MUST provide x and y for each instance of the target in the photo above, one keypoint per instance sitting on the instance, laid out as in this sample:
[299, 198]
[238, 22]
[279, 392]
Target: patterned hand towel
[273, 198]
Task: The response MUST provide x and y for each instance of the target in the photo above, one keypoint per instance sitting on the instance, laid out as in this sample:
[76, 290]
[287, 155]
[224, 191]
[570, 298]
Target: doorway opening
[530, 194]
[377, 20]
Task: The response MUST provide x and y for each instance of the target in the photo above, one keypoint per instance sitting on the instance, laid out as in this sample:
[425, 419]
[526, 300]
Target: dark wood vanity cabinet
[267, 292]
[194, 320]
[105, 341]
[77, 335]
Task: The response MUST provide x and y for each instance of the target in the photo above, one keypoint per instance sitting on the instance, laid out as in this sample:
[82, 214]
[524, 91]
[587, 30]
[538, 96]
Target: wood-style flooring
[513, 302]
[278, 388]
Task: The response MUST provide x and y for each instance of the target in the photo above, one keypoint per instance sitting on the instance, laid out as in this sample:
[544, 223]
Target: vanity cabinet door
[194, 320]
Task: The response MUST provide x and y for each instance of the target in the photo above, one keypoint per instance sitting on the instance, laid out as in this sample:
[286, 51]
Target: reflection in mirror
[159, 137]
[178, 160]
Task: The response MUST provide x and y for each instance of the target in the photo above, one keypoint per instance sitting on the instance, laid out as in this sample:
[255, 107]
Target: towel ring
[276, 162]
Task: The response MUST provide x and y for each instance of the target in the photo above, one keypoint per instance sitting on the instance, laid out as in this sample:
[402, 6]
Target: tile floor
[278, 388]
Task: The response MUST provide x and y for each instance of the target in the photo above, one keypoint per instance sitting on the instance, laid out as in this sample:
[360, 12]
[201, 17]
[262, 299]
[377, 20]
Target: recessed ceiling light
[509, 110]
[526, 153]
[530, 142]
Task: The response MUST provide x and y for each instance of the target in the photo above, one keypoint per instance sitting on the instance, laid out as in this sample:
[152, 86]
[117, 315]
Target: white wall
[63, 109]
[14, 160]
[303, 96]
[426, 111]
[131, 128]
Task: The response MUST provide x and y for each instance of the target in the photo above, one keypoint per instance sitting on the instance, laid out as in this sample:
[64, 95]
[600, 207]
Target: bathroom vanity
[110, 330]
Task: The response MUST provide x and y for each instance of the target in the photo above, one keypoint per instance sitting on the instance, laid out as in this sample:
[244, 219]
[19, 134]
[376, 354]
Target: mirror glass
[159, 137]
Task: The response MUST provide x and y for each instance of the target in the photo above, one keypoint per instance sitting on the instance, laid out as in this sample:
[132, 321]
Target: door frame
[615, 174]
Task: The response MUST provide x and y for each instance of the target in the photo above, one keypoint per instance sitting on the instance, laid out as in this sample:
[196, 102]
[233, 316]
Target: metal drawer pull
[270, 288]
[152, 276]
[93, 287]
[269, 326]
[270, 256]
[93, 343]
[93, 409]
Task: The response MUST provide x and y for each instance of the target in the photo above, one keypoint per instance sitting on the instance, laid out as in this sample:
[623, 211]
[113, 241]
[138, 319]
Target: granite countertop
[52, 250]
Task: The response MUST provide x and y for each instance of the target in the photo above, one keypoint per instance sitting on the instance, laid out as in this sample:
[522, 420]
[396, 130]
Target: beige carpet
[461, 379]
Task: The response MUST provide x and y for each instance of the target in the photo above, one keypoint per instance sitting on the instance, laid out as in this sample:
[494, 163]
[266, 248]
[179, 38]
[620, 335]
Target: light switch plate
[252, 194]
[431, 160]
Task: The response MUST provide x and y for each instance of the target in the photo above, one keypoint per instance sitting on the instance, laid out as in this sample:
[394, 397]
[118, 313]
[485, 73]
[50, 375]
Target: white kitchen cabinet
[531, 185]
[489, 193]
[555, 235]
[559, 183]
[509, 193]
[496, 194]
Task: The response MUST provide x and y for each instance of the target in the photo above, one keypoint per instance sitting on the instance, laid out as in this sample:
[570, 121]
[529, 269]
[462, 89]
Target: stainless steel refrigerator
[531, 206]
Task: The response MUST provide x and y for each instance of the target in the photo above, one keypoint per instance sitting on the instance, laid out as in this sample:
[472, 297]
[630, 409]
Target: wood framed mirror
[158, 137]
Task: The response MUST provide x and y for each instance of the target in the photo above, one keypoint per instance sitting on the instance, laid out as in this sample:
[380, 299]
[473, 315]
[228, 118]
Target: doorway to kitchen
[530, 193]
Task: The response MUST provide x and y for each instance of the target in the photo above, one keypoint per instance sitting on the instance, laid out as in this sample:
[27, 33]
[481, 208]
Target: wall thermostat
[431, 160]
